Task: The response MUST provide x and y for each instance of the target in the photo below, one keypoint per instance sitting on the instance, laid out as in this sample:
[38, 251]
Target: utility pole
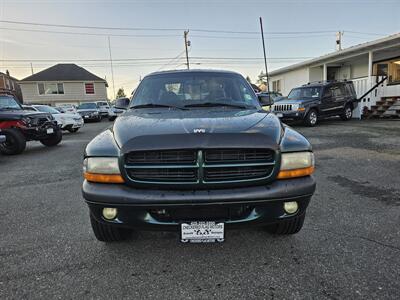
[32, 68]
[265, 55]
[112, 69]
[187, 43]
[339, 35]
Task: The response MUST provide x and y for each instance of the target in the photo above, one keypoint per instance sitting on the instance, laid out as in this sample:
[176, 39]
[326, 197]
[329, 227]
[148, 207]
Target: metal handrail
[373, 88]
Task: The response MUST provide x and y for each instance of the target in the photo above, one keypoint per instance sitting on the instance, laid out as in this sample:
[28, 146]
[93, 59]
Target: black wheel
[15, 142]
[53, 139]
[108, 233]
[290, 226]
[99, 119]
[111, 119]
[72, 130]
[311, 118]
[347, 113]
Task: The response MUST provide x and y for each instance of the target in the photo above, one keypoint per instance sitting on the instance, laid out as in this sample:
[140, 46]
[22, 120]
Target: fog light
[109, 213]
[290, 207]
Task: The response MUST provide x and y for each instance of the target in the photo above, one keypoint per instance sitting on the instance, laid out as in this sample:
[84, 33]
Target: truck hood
[143, 129]
[18, 114]
[297, 101]
[80, 111]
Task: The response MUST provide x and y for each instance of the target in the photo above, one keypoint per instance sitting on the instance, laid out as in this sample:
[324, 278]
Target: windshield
[47, 109]
[87, 106]
[194, 89]
[9, 103]
[304, 92]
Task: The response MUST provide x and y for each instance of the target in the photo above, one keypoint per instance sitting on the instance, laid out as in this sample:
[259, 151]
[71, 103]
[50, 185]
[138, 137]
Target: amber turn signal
[104, 178]
[284, 174]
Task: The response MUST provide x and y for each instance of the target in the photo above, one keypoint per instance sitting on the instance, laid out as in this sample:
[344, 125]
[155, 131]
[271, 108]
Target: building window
[89, 88]
[276, 85]
[50, 88]
[389, 68]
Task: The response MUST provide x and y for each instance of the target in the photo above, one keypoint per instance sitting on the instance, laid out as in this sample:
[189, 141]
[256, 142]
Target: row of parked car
[22, 123]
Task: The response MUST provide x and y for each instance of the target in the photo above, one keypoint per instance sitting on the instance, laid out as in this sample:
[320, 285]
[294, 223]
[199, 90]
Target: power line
[171, 29]
[91, 34]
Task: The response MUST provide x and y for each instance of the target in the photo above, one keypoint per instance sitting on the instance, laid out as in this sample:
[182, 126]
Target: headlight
[296, 164]
[95, 113]
[295, 106]
[27, 121]
[102, 169]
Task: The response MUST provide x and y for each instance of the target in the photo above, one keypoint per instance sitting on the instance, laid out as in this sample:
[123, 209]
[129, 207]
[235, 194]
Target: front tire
[347, 113]
[53, 140]
[311, 118]
[15, 142]
[289, 226]
[108, 233]
[72, 130]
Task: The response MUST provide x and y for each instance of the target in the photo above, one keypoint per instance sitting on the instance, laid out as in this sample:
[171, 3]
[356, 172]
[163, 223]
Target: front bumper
[290, 115]
[166, 209]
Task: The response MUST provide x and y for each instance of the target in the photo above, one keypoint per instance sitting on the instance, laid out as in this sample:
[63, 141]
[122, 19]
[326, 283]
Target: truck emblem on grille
[199, 130]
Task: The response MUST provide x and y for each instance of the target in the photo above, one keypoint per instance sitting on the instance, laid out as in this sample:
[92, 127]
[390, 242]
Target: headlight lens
[295, 106]
[296, 164]
[27, 120]
[102, 169]
[95, 113]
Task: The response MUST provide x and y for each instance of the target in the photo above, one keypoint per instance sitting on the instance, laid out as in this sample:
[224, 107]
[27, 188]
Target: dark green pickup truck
[195, 153]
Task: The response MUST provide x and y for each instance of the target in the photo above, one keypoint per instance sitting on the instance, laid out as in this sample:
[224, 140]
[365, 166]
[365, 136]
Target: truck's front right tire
[108, 233]
[15, 142]
[289, 226]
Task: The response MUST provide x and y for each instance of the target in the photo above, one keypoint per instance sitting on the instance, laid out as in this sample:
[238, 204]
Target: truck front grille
[282, 107]
[199, 167]
[162, 157]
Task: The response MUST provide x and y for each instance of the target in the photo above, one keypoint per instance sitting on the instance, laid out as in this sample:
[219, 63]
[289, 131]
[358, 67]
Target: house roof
[64, 72]
[390, 40]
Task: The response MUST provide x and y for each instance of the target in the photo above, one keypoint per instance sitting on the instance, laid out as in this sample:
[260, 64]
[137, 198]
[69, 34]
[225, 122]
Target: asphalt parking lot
[349, 246]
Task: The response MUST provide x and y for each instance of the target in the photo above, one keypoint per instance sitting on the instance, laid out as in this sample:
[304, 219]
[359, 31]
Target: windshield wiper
[151, 105]
[217, 104]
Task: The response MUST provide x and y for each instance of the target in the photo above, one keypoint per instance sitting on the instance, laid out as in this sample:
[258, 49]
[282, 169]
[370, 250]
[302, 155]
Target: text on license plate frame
[202, 232]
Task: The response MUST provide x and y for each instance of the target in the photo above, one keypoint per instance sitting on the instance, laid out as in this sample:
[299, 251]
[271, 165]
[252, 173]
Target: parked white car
[67, 121]
[104, 108]
[68, 108]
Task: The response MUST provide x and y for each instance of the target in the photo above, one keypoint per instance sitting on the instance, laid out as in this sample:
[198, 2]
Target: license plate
[202, 232]
[50, 130]
[279, 115]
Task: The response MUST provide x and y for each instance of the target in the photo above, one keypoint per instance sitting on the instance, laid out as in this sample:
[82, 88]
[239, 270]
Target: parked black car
[314, 101]
[196, 153]
[89, 111]
[20, 126]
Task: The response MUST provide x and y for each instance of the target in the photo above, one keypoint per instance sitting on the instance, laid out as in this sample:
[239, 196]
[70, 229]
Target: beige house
[63, 84]
[365, 64]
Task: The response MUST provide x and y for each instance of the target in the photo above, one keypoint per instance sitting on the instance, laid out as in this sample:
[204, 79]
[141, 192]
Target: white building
[62, 84]
[365, 64]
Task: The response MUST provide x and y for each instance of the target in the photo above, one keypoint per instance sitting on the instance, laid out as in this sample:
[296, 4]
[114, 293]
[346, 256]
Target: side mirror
[265, 100]
[122, 103]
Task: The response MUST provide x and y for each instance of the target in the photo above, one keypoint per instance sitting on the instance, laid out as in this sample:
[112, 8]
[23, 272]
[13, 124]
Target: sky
[294, 31]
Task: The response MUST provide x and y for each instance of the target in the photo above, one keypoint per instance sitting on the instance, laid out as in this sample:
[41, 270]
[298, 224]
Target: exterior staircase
[386, 107]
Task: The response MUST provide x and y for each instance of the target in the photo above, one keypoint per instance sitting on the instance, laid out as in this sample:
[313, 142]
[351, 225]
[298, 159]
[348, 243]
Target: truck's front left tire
[53, 140]
[15, 142]
[289, 226]
[108, 233]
